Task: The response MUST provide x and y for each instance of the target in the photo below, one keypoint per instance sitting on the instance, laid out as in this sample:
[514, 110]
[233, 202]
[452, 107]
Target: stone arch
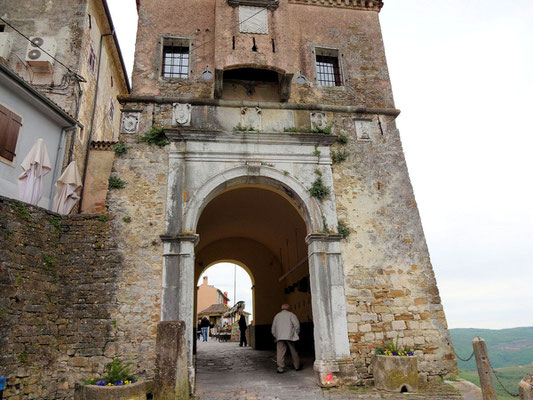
[267, 177]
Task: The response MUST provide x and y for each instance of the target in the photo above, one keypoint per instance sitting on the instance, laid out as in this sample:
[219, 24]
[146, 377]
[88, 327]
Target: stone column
[333, 363]
[177, 301]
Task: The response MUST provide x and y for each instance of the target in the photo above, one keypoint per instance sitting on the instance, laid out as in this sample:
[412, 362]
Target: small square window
[2, 28]
[175, 59]
[328, 72]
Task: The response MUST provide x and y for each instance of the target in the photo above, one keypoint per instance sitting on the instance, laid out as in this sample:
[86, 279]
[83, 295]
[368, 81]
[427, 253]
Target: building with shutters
[25, 116]
[69, 52]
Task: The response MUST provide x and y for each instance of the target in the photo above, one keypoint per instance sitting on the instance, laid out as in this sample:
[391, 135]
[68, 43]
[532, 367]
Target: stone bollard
[526, 387]
[171, 380]
[483, 369]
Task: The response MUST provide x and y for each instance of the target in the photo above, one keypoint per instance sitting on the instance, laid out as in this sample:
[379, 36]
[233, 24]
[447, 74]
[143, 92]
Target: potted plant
[395, 368]
[118, 383]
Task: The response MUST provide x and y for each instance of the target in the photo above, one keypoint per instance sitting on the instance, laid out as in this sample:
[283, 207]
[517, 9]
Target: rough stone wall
[390, 286]
[58, 279]
[137, 220]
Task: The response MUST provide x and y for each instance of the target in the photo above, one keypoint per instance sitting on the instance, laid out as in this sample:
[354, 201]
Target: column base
[336, 372]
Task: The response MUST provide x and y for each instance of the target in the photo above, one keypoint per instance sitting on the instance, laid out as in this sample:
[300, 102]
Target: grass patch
[49, 262]
[116, 183]
[56, 223]
[102, 218]
[325, 130]
[291, 129]
[155, 136]
[316, 152]
[243, 128]
[22, 211]
[126, 219]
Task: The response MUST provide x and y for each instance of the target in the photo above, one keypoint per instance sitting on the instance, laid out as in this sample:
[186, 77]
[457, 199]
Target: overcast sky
[462, 75]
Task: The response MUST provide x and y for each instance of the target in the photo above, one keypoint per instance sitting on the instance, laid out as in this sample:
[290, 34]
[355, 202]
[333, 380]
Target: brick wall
[57, 284]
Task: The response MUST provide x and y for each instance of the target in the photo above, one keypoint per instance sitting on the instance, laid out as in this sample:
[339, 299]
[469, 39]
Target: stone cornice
[368, 5]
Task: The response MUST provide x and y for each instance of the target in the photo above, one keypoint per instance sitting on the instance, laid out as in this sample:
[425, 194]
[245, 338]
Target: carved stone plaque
[251, 117]
[130, 122]
[363, 129]
[253, 20]
[319, 120]
[181, 114]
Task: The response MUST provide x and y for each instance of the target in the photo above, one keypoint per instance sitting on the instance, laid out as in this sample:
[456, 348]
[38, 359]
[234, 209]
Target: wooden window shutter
[10, 124]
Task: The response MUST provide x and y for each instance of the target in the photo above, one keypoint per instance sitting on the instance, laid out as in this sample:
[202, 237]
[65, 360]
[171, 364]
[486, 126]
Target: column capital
[183, 237]
[322, 237]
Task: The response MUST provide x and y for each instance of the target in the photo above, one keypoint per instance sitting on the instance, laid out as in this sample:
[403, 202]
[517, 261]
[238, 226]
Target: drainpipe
[57, 166]
[91, 129]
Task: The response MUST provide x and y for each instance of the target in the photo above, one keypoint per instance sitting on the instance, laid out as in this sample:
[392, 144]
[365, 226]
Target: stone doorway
[266, 220]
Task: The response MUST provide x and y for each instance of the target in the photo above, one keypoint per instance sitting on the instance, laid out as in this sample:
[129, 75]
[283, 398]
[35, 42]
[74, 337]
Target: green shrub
[120, 148]
[318, 190]
[338, 156]
[126, 219]
[116, 371]
[342, 139]
[102, 218]
[116, 183]
[155, 136]
[343, 229]
[291, 129]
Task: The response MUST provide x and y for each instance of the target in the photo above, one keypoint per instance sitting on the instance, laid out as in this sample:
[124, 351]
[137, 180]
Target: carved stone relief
[130, 122]
[253, 20]
[251, 117]
[319, 120]
[363, 129]
[181, 114]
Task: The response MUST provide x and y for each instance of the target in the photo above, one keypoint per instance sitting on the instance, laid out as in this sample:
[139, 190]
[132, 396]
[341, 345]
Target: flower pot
[395, 373]
[135, 391]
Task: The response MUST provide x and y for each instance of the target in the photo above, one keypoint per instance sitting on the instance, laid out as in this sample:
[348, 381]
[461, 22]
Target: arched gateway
[267, 189]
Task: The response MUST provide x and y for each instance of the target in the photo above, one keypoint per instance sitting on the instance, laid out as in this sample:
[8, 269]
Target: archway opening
[222, 289]
[259, 228]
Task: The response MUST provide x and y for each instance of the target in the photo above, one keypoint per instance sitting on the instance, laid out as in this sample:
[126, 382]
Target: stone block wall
[58, 279]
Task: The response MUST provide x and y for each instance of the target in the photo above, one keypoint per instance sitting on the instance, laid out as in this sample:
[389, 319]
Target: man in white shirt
[286, 329]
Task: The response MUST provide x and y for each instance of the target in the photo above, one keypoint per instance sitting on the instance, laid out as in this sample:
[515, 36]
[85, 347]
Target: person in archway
[205, 327]
[285, 329]
[242, 327]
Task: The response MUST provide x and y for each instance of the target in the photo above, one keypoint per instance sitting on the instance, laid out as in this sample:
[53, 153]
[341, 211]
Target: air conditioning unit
[40, 51]
[6, 41]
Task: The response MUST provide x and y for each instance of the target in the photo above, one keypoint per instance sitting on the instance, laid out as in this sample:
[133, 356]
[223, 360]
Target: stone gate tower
[278, 151]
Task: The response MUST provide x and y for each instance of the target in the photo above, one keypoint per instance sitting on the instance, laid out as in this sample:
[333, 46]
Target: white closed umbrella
[36, 165]
[67, 186]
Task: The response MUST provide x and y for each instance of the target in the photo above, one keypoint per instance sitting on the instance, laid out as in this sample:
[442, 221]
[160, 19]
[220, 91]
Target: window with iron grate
[175, 59]
[328, 71]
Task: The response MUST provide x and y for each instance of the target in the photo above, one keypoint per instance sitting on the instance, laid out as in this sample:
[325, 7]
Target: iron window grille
[175, 61]
[328, 72]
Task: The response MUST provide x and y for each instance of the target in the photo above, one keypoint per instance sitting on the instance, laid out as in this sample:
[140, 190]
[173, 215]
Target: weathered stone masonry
[58, 281]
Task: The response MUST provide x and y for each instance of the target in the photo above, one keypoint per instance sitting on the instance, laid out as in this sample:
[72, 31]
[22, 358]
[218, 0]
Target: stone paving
[225, 371]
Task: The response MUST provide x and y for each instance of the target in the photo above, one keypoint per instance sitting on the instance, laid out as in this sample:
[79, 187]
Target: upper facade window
[328, 71]
[175, 58]
[10, 124]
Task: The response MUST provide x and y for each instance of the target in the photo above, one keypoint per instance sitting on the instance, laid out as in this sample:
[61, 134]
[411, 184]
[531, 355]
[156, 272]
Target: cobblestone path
[225, 371]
